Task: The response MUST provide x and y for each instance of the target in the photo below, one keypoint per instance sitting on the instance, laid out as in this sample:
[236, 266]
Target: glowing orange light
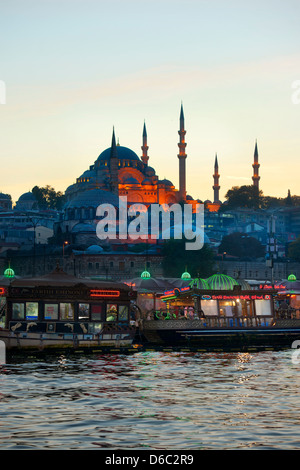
[104, 293]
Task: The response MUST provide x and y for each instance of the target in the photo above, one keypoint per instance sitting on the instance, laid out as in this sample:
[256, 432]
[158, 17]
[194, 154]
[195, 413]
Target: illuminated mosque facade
[119, 171]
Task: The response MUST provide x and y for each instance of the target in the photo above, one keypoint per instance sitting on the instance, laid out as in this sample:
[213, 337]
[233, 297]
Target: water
[151, 401]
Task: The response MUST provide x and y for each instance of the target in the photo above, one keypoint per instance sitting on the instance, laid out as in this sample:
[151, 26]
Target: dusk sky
[73, 69]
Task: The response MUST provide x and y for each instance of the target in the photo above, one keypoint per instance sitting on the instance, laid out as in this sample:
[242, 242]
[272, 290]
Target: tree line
[249, 196]
[48, 198]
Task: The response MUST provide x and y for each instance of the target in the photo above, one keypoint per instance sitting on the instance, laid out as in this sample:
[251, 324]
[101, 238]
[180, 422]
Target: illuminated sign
[2, 291]
[276, 286]
[236, 297]
[175, 291]
[104, 293]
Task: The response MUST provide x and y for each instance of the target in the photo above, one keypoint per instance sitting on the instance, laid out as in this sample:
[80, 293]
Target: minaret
[182, 156]
[216, 186]
[255, 166]
[145, 147]
[113, 166]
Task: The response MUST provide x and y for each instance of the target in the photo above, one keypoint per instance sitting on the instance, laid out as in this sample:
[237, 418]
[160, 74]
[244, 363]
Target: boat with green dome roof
[222, 313]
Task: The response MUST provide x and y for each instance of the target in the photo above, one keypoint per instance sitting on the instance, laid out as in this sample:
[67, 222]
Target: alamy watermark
[296, 353]
[139, 222]
[2, 92]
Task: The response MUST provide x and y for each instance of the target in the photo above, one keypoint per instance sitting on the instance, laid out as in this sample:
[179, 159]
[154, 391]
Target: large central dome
[124, 153]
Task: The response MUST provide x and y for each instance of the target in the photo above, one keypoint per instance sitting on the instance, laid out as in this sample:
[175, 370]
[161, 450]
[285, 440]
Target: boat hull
[40, 341]
[193, 334]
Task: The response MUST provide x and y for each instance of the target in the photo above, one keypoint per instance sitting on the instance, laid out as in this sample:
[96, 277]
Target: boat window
[263, 307]
[66, 311]
[32, 310]
[123, 313]
[17, 311]
[111, 312]
[51, 311]
[243, 308]
[95, 328]
[209, 307]
[226, 308]
[83, 312]
[97, 312]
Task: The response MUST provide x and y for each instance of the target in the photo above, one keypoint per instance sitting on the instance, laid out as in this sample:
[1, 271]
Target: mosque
[118, 171]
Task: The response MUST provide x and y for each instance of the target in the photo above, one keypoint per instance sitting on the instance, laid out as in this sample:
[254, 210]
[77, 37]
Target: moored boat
[62, 312]
[230, 316]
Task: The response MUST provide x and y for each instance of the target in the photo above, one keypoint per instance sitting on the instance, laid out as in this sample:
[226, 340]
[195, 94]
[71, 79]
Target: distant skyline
[73, 69]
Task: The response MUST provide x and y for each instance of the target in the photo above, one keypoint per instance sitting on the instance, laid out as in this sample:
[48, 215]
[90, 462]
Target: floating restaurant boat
[62, 312]
[221, 313]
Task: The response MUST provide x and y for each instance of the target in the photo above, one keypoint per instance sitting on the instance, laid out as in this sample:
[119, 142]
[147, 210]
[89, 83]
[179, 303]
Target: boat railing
[215, 321]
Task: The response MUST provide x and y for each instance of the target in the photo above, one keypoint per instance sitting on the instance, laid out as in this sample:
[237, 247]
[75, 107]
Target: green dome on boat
[244, 284]
[185, 275]
[9, 273]
[199, 283]
[222, 282]
[292, 277]
[145, 275]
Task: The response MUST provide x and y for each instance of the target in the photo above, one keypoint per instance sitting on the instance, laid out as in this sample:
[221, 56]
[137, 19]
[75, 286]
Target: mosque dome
[222, 282]
[165, 182]
[27, 197]
[94, 249]
[82, 227]
[93, 198]
[4, 196]
[124, 153]
[146, 181]
[149, 171]
[88, 174]
[130, 180]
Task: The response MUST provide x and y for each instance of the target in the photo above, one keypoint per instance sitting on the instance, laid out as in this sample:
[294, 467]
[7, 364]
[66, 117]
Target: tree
[177, 259]
[294, 250]
[241, 245]
[48, 198]
[252, 198]
[244, 196]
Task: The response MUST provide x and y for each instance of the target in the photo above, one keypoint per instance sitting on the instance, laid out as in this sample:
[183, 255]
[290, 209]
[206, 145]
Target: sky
[73, 69]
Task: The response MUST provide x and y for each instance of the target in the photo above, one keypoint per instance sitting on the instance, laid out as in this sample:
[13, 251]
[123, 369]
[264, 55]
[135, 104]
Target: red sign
[276, 286]
[240, 297]
[2, 291]
[104, 293]
[176, 291]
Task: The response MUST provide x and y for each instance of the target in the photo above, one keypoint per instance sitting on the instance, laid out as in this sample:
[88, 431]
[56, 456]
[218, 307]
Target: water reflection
[151, 400]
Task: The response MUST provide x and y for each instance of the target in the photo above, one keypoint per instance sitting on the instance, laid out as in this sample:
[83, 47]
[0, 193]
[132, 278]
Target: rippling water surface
[151, 401]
